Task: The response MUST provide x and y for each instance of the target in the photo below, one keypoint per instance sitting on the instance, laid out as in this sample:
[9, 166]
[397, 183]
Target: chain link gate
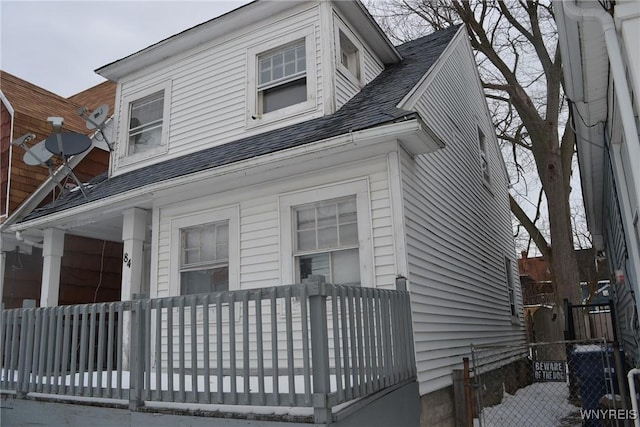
[567, 383]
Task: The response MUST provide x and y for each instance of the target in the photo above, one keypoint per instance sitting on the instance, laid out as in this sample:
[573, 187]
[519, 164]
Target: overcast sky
[57, 45]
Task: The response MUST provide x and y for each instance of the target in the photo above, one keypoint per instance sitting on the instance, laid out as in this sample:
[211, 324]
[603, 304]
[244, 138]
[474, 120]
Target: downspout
[621, 86]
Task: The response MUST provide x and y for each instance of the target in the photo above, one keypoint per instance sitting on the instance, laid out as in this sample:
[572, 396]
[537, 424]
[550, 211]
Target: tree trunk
[563, 262]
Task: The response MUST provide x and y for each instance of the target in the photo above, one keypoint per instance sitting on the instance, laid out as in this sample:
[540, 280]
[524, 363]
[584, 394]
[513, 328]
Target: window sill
[347, 74]
[131, 159]
[290, 112]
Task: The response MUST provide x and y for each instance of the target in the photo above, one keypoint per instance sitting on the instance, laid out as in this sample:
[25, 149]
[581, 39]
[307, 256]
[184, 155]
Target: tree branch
[531, 228]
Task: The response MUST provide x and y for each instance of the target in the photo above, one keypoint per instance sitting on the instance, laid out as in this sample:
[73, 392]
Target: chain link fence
[569, 383]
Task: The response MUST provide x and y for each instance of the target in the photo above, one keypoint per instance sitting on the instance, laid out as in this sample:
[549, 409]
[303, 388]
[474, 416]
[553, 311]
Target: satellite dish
[97, 118]
[67, 144]
[37, 155]
[23, 139]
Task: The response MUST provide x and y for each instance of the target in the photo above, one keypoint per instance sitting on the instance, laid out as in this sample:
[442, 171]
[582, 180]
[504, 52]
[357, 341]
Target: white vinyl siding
[618, 258]
[457, 235]
[259, 229]
[209, 87]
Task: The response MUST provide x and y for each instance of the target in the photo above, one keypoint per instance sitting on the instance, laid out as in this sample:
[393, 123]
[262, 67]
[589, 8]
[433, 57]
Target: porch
[298, 352]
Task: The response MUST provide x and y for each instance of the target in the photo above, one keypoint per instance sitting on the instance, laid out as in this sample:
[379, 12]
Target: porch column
[52, 250]
[133, 233]
[134, 224]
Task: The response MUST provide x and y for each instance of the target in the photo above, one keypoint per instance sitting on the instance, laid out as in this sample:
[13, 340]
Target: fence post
[320, 353]
[136, 355]
[569, 332]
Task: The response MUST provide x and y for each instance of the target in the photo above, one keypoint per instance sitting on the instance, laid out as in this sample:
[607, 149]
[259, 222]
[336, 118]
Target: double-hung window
[144, 127]
[204, 265]
[145, 122]
[282, 77]
[326, 241]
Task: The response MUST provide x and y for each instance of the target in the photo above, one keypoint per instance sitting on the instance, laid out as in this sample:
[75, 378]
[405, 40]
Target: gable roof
[373, 106]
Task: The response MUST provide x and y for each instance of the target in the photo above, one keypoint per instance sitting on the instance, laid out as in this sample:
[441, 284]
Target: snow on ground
[537, 405]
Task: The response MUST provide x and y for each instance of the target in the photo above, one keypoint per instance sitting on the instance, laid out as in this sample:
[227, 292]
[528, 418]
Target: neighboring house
[25, 108]
[537, 285]
[599, 45]
[539, 302]
[278, 143]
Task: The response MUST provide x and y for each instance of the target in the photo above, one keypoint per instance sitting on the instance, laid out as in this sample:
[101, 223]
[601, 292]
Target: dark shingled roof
[374, 105]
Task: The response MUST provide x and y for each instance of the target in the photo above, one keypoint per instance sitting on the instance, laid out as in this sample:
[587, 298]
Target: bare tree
[516, 49]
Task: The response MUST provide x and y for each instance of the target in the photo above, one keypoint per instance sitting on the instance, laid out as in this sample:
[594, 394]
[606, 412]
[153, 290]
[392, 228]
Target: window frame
[483, 152]
[125, 117]
[512, 301]
[355, 78]
[255, 117]
[230, 215]
[289, 201]
[329, 250]
[202, 265]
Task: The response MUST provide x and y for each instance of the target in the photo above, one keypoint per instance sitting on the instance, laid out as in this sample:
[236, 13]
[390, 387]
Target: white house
[289, 140]
[602, 73]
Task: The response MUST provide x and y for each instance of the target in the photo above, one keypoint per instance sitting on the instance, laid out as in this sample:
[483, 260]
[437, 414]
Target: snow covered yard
[537, 405]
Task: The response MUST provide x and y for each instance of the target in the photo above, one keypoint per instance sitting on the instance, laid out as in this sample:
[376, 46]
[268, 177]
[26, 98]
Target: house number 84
[127, 260]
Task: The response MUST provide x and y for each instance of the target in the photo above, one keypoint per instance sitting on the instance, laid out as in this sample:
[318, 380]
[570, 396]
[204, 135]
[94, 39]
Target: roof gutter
[413, 135]
[621, 85]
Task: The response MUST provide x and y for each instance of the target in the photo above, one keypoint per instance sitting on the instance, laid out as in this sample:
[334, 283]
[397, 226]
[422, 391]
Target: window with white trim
[145, 125]
[484, 157]
[327, 231]
[326, 241]
[349, 55]
[282, 77]
[204, 264]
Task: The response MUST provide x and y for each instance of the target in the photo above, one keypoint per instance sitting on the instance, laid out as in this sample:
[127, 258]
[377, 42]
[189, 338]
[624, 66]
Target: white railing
[310, 345]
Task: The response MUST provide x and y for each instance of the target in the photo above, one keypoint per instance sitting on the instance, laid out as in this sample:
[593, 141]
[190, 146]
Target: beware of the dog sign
[549, 370]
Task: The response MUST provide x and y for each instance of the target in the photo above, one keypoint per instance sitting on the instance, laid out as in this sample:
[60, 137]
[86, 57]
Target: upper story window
[327, 241]
[204, 265]
[484, 158]
[145, 123]
[349, 55]
[281, 77]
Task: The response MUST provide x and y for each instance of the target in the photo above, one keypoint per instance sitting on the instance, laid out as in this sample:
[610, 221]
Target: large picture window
[204, 265]
[327, 241]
